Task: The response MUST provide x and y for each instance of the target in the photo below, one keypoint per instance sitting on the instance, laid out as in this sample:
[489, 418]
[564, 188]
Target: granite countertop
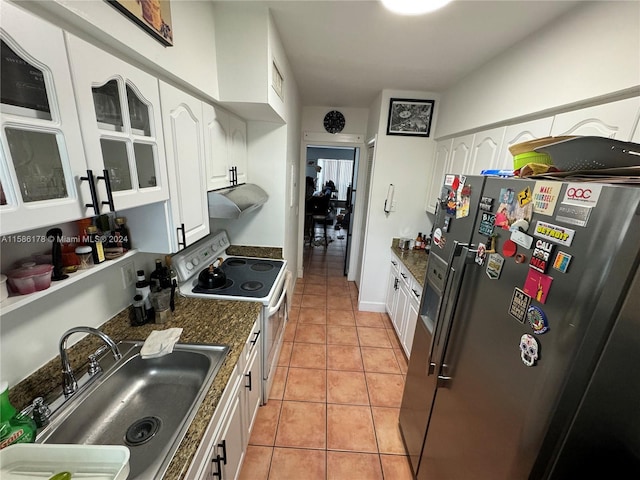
[414, 260]
[202, 320]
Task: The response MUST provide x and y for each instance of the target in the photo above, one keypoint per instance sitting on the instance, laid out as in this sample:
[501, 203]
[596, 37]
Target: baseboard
[371, 307]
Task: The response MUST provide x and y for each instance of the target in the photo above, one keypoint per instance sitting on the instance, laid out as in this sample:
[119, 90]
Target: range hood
[235, 201]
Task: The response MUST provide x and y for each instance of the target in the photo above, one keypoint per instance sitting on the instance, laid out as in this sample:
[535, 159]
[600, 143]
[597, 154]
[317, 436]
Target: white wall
[404, 162]
[190, 62]
[355, 119]
[591, 52]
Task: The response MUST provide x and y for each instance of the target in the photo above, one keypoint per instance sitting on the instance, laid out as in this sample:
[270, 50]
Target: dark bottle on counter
[156, 275]
[95, 242]
[144, 290]
[138, 312]
[122, 233]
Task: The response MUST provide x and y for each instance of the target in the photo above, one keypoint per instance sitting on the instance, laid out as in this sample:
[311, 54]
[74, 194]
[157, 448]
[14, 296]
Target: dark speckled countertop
[414, 260]
[203, 321]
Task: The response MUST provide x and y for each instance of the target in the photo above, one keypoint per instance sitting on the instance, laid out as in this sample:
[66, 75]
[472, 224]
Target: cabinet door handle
[249, 385]
[217, 473]
[107, 184]
[255, 340]
[223, 446]
[92, 188]
[403, 276]
[395, 283]
[416, 293]
[184, 239]
[395, 264]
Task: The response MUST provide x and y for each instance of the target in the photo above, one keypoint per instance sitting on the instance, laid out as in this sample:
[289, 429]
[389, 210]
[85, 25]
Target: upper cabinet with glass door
[119, 110]
[41, 156]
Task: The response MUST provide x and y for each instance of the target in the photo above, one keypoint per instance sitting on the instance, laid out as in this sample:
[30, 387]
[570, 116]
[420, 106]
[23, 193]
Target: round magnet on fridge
[538, 320]
[509, 248]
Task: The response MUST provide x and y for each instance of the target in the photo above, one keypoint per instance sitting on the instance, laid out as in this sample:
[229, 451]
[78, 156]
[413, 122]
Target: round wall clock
[334, 121]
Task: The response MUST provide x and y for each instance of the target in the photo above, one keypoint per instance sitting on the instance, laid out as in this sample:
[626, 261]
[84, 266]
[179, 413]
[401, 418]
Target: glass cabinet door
[41, 152]
[121, 126]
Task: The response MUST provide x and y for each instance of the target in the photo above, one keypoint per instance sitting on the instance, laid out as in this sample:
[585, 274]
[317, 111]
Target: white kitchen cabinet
[222, 450]
[485, 151]
[612, 120]
[440, 164]
[182, 119]
[460, 154]
[121, 124]
[225, 148]
[411, 314]
[403, 302]
[521, 132]
[41, 156]
[392, 287]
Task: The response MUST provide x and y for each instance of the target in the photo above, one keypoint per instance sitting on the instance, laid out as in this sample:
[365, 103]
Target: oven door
[275, 319]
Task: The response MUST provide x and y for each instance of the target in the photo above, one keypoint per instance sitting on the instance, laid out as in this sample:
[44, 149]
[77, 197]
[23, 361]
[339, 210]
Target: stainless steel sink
[146, 405]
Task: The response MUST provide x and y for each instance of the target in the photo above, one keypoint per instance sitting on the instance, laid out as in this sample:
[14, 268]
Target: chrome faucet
[69, 384]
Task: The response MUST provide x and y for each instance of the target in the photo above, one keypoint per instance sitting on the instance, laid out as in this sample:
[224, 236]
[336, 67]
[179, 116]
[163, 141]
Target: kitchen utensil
[212, 277]
[30, 278]
[53, 235]
[531, 145]
[172, 302]
[85, 256]
[404, 243]
[161, 301]
[592, 153]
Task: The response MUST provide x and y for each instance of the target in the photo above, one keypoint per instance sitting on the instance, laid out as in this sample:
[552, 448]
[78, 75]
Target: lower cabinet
[403, 302]
[223, 448]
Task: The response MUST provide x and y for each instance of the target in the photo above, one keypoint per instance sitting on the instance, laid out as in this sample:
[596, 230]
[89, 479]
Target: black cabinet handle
[223, 445]
[184, 239]
[248, 375]
[107, 184]
[255, 340]
[219, 472]
[92, 188]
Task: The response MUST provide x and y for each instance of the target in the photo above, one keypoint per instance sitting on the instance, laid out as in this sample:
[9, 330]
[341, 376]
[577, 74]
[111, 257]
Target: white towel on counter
[160, 342]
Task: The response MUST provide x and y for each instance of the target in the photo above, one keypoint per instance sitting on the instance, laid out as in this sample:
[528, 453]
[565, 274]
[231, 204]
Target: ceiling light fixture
[413, 7]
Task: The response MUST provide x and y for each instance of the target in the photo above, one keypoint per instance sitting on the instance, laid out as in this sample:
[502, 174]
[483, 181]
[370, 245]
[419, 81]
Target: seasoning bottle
[418, 245]
[14, 428]
[155, 279]
[95, 242]
[139, 312]
[122, 233]
[143, 289]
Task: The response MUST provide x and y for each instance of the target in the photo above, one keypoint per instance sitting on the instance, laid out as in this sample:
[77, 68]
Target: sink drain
[141, 431]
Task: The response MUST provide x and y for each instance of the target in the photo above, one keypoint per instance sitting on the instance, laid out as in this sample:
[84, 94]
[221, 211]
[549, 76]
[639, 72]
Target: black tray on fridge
[592, 153]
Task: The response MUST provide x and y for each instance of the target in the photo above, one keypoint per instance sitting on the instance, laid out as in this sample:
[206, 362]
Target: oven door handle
[273, 309]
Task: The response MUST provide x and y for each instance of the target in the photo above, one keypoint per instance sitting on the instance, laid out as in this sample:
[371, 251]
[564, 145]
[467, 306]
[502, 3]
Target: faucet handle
[94, 365]
[39, 411]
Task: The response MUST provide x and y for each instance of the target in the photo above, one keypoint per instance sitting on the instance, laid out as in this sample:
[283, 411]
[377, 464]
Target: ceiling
[343, 53]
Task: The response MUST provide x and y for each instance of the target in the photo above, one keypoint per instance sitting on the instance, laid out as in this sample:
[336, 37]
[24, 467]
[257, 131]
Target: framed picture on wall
[154, 16]
[410, 117]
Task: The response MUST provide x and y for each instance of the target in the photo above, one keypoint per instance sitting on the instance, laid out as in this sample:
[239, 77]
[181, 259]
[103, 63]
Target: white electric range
[263, 280]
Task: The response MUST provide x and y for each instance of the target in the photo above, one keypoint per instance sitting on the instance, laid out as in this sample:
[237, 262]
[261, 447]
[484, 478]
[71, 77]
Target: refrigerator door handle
[468, 253]
[455, 252]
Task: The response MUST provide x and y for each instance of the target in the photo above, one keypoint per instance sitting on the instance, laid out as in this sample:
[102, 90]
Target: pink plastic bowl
[30, 278]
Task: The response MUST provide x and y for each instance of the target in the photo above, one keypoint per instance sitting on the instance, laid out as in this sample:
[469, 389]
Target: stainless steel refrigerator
[526, 308]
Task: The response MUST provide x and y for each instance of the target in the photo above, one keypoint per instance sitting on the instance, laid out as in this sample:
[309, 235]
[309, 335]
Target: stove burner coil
[262, 267]
[251, 286]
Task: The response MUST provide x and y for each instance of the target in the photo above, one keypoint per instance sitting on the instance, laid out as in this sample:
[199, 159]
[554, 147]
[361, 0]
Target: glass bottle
[122, 232]
[14, 428]
[95, 242]
[418, 245]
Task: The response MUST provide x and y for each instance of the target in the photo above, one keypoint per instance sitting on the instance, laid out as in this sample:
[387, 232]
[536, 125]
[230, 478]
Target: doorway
[332, 170]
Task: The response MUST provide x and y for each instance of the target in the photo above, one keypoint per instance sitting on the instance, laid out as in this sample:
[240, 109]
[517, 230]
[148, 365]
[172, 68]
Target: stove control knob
[195, 261]
[189, 266]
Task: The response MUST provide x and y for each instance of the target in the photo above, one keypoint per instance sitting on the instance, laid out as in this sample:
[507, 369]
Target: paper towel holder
[388, 203]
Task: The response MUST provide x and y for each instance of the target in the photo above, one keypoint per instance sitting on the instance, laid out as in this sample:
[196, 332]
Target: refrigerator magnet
[538, 320]
[537, 285]
[495, 261]
[506, 196]
[509, 248]
[541, 256]
[554, 233]
[463, 201]
[445, 224]
[545, 196]
[487, 222]
[486, 204]
[522, 238]
[449, 179]
[437, 238]
[481, 253]
[561, 262]
[519, 305]
[451, 203]
[529, 350]
[524, 197]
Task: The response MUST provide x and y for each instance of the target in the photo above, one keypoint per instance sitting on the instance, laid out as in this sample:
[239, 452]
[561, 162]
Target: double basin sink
[145, 404]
